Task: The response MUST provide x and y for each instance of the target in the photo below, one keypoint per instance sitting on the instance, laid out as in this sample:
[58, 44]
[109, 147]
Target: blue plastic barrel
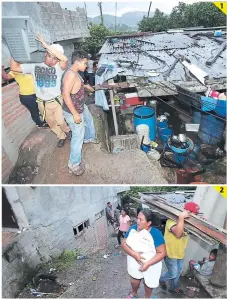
[211, 129]
[221, 108]
[162, 124]
[164, 134]
[145, 115]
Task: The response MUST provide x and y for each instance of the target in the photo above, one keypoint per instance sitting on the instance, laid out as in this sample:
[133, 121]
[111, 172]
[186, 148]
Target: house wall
[16, 125]
[214, 207]
[48, 215]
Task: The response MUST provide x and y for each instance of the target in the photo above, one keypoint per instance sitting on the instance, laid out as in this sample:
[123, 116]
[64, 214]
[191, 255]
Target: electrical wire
[191, 104]
[175, 108]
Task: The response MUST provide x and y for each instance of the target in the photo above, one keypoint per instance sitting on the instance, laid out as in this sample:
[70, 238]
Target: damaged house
[39, 223]
[180, 75]
[207, 230]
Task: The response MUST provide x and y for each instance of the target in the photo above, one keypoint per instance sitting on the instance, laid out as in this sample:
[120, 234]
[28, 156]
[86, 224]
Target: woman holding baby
[145, 248]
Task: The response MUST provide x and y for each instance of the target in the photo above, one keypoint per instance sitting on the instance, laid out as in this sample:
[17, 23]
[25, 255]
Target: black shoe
[43, 126]
[69, 135]
[61, 142]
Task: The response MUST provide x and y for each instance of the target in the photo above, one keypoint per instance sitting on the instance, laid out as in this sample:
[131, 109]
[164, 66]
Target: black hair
[147, 214]
[126, 210]
[95, 63]
[79, 55]
[214, 252]
[108, 203]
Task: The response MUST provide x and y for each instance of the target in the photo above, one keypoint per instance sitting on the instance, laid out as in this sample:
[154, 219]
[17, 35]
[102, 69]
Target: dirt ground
[127, 167]
[97, 277]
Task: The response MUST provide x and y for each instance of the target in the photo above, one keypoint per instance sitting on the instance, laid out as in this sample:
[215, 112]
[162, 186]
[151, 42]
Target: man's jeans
[80, 132]
[175, 268]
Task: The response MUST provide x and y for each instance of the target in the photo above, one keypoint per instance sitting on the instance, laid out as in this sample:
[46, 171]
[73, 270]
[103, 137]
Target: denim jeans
[29, 101]
[80, 132]
[175, 267]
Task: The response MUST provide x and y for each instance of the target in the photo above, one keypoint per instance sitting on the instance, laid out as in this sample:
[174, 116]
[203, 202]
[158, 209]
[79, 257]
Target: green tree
[157, 23]
[135, 190]
[197, 14]
[98, 34]
[204, 14]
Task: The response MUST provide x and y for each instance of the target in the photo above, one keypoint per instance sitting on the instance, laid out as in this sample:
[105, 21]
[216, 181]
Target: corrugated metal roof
[159, 51]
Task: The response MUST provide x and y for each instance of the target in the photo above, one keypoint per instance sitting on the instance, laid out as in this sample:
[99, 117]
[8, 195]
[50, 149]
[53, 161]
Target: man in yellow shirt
[176, 242]
[27, 94]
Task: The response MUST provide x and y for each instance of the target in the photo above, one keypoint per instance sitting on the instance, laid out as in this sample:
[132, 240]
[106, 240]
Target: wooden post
[218, 277]
[113, 109]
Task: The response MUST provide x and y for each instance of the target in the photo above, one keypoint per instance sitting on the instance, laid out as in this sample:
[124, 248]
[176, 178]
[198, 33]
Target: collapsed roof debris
[159, 57]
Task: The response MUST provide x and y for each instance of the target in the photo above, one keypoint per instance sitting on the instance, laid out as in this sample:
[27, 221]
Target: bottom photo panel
[114, 242]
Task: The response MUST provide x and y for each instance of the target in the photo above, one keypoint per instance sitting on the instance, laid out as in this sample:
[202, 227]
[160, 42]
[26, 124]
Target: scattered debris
[106, 256]
[81, 257]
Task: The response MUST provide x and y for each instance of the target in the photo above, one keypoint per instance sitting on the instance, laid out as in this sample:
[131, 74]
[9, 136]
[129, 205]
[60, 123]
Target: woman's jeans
[85, 131]
[175, 267]
[29, 101]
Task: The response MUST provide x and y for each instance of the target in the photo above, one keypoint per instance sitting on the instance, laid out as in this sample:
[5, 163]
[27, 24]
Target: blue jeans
[80, 132]
[175, 268]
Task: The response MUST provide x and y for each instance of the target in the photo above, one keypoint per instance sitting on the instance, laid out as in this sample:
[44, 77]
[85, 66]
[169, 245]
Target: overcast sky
[122, 7]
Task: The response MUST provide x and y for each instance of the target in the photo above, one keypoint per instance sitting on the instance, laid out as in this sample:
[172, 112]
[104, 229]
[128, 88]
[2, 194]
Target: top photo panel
[114, 93]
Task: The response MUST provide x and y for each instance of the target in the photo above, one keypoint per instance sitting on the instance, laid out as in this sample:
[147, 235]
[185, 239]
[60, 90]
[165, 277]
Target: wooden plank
[219, 236]
[113, 110]
[188, 227]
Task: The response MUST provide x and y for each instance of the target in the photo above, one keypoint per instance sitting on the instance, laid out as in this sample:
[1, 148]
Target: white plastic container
[143, 130]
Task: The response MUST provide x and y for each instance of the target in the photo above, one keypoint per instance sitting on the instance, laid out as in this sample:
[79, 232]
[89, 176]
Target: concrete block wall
[19, 263]
[16, 126]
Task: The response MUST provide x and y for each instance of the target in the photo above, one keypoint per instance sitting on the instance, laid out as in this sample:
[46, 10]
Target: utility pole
[85, 7]
[115, 17]
[149, 9]
[101, 16]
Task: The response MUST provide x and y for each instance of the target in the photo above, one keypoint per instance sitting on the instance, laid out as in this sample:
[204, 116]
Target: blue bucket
[221, 108]
[179, 158]
[145, 115]
[145, 148]
[164, 134]
[163, 124]
[211, 129]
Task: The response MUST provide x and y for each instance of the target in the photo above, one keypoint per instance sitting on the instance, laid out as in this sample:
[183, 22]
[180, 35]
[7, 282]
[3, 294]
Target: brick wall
[7, 166]
[16, 126]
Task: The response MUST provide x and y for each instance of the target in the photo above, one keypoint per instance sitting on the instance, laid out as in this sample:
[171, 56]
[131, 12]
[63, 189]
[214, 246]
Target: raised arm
[15, 66]
[6, 76]
[178, 229]
[63, 60]
[68, 83]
